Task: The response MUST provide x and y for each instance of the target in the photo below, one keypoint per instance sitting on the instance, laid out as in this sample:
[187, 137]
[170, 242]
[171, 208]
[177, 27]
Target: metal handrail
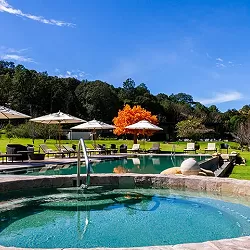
[173, 150]
[173, 155]
[82, 145]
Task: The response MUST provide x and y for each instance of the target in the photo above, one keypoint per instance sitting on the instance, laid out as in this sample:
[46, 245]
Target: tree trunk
[135, 138]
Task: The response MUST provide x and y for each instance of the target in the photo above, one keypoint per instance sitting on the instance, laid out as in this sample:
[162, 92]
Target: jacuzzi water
[68, 218]
[143, 165]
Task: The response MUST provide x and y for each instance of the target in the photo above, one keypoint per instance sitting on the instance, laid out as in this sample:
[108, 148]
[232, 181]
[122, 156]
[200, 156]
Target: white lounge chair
[211, 147]
[135, 148]
[190, 147]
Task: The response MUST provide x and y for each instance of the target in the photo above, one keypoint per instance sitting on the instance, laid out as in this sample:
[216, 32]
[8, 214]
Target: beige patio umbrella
[144, 125]
[57, 118]
[93, 126]
[7, 113]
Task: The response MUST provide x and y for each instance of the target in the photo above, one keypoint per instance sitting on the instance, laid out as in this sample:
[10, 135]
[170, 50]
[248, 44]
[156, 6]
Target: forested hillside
[37, 93]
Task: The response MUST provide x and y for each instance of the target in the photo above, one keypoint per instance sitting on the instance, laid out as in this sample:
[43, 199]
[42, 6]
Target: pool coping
[221, 186]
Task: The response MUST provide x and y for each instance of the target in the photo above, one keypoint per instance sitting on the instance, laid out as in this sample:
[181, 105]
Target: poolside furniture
[113, 149]
[49, 151]
[211, 147]
[10, 157]
[123, 148]
[101, 148]
[155, 148]
[135, 148]
[62, 149]
[70, 149]
[17, 149]
[224, 146]
[96, 149]
[32, 155]
[36, 156]
[190, 147]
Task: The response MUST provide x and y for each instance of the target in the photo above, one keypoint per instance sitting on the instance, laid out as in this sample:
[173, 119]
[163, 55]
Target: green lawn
[179, 146]
[239, 172]
[242, 172]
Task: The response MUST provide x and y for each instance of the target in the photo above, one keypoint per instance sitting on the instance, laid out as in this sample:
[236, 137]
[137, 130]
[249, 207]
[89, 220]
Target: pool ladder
[173, 155]
[81, 145]
[173, 150]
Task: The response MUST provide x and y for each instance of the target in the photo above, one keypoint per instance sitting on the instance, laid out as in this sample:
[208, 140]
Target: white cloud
[14, 54]
[78, 74]
[11, 50]
[220, 65]
[5, 7]
[18, 58]
[208, 56]
[219, 59]
[230, 62]
[222, 97]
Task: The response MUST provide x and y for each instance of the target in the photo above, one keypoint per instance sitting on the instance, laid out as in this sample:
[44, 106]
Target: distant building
[76, 135]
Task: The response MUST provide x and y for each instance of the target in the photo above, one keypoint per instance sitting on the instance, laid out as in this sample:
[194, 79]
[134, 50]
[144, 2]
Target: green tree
[191, 128]
[97, 100]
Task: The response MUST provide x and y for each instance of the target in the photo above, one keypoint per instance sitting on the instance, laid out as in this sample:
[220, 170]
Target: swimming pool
[64, 218]
[142, 164]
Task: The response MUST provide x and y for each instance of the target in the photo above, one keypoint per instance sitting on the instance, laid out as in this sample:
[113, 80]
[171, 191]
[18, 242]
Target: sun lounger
[190, 147]
[135, 148]
[211, 147]
[65, 149]
[60, 148]
[49, 151]
[70, 149]
[155, 148]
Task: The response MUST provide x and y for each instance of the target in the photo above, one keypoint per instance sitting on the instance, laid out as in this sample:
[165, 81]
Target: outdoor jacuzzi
[126, 210]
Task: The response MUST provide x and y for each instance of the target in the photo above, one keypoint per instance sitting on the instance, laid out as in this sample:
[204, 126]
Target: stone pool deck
[242, 243]
[220, 187]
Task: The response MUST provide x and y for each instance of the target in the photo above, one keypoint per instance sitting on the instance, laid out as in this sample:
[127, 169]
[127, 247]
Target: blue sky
[197, 47]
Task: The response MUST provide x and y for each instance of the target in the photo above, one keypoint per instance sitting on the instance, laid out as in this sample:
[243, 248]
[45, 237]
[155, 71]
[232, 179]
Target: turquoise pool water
[68, 218]
[142, 165]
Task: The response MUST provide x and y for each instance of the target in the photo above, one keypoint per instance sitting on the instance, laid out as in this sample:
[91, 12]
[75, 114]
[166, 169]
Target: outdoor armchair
[97, 149]
[224, 146]
[123, 148]
[113, 148]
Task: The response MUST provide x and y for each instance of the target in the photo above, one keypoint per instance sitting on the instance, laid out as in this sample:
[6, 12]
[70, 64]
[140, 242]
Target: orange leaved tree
[128, 116]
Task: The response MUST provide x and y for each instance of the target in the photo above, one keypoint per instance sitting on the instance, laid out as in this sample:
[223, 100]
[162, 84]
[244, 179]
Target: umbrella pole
[94, 137]
[59, 134]
[144, 139]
